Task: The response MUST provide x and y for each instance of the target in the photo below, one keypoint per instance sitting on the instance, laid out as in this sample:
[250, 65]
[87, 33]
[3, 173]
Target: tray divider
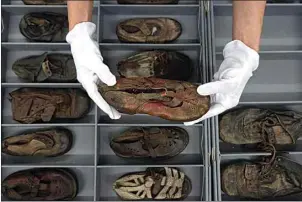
[96, 138]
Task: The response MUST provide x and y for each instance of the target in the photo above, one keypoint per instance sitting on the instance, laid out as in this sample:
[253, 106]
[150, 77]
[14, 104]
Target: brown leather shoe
[147, 1]
[31, 105]
[42, 142]
[148, 30]
[155, 142]
[47, 184]
[44, 2]
[168, 99]
[160, 64]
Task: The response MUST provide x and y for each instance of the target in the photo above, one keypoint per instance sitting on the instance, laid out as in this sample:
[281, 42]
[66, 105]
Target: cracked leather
[168, 99]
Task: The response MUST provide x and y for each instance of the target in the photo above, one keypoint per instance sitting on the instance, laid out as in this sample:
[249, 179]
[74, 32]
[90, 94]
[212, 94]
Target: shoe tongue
[251, 171]
[45, 71]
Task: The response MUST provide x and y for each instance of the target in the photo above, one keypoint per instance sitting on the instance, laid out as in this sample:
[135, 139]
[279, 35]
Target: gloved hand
[89, 64]
[229, 82]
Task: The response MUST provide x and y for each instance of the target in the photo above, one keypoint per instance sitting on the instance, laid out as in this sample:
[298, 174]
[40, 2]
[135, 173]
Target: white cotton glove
[229, 82]
[89, 64]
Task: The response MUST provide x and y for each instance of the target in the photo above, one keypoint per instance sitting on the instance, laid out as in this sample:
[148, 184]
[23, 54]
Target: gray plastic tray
[91, 158]
[277, 84]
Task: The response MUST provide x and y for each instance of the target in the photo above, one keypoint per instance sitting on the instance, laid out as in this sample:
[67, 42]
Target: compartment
[192, 155]
[279, 73]
[85, 178]
[227, 148]
[7, 112]
[80, 154]
[187, 16]
[228, 160]
[114, 55]
[107, 176]
[9, 57]
[13, 15]
[282, 29]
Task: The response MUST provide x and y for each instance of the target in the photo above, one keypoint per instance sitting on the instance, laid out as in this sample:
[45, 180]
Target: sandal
[155, 183]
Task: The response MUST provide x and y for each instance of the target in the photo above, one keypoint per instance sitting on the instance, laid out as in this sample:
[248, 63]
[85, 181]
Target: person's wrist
[239, 51]
[81, 32]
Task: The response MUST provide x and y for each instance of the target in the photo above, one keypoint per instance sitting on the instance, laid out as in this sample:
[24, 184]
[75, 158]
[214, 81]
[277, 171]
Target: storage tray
[277, 83]
[91, 158]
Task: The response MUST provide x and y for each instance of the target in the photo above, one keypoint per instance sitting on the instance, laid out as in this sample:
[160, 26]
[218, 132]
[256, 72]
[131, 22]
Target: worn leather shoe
[148, 30]
[168, 99]
[251, 126]
[147, 1]
[42, 142]
[159, 64]
[155, 142]
[153, 184]
[48, 67]
[44, 27]
[47, 184]
[44, 2]
[30, 105]
[262, 179]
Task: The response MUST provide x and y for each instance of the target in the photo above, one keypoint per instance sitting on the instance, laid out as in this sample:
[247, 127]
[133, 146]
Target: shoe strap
[172, 184]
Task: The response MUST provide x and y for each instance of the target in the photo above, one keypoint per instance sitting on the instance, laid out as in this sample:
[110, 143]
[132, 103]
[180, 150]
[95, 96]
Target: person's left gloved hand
[229, 81]
[89, 64]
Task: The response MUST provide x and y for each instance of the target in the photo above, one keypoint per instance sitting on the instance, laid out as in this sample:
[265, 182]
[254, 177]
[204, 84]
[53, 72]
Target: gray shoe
[48, 67]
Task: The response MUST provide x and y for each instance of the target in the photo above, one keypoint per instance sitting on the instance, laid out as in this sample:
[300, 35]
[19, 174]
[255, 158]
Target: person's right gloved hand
[89, 64]
[229, 81]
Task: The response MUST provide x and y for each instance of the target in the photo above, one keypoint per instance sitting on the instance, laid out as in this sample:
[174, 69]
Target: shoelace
[267, 135]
